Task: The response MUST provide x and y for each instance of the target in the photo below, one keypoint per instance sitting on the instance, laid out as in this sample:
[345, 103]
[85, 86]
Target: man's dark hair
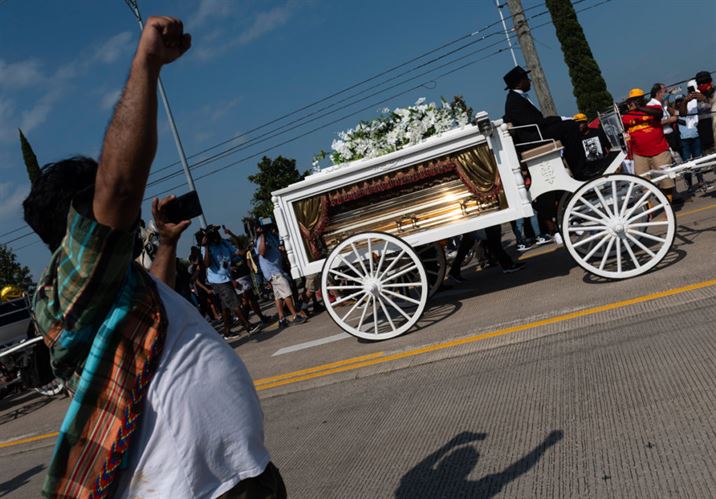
[655, 89]
[47, 205]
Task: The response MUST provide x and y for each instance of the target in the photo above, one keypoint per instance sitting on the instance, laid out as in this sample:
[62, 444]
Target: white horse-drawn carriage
[372, 228]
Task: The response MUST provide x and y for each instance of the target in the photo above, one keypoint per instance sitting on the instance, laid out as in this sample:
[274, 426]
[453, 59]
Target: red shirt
[645, 132]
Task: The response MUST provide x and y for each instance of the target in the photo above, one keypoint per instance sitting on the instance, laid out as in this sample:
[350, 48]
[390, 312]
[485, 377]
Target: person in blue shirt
[270, 257]
[218, 254]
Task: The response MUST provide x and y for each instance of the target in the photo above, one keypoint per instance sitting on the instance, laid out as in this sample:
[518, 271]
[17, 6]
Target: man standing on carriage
[520, 111]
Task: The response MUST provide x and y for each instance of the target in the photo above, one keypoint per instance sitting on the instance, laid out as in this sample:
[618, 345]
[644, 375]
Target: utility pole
[180, 148]
[504, 28]
[529, 52]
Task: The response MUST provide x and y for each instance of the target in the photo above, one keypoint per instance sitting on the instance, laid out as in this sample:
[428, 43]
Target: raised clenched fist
[163, 40]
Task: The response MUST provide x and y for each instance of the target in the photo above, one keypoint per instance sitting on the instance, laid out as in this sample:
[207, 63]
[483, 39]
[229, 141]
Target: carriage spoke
[344, 287]
[382, 258]
[593, 208]
[579, 228]
[638, 243]
[650, 224]
[350, 265]
[596, 247]
[403, 272]
[625, 204]
[387, 315]
[605, 256]
[402, 297]
[346, 298]
[362, 315]
[403, 285]
[589, 239]
[359, 258]
[642, 201]
[587, 217]
[619, 254]
[603, 202]
[344, 276]
[392, 264]
[634, 259]
[396, 307]
[615, 198]
[646, 212]
[355, 305]
[375, 315]
[647, 235]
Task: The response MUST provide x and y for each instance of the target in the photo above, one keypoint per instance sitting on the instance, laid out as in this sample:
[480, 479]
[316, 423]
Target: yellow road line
[492, 334]
[317, 368]
[380, 357]
[696, 210]
[27, 440]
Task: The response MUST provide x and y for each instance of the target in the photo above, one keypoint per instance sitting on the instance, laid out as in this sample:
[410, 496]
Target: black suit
[519, 111]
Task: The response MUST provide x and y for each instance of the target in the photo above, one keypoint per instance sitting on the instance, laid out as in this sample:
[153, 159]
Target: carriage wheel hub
[372, 286]
[618, 228]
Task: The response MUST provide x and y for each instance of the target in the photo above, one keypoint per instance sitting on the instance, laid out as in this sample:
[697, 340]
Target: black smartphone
[184, 207]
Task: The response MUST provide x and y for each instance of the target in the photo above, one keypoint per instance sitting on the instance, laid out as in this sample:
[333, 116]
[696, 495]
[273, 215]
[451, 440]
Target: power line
[356, 85]
[293, 139]
[255, 140]
[13, 230]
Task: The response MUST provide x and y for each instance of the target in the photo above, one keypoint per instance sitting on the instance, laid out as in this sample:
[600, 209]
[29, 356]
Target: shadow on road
[20, 480]
[444, 472]
[15, 406]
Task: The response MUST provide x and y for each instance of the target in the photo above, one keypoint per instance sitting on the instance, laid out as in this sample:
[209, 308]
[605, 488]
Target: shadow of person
[444, 473]
[20, 480]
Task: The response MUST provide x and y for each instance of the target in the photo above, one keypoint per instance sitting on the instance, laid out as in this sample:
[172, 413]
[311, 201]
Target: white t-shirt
[667, 129]
[202, 427]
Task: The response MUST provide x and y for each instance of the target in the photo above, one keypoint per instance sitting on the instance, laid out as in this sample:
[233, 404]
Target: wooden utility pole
[524, 36]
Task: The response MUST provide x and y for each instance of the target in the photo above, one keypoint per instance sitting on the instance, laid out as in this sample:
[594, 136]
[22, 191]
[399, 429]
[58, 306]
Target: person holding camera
[270, 261]
[218, 256]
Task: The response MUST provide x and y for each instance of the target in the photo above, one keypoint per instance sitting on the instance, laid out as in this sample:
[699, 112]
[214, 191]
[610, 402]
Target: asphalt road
[544, 383]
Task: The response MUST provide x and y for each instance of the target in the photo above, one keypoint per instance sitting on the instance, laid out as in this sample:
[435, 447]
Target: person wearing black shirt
[520, 111]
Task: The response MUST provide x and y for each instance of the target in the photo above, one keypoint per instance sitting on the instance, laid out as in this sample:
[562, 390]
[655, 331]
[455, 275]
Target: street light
[189, 180]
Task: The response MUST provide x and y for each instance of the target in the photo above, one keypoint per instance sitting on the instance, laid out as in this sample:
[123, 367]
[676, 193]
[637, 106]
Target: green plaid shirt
[101, 317]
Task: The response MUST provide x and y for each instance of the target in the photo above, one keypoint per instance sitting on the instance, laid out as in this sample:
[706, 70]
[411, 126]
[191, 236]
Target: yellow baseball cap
[10, 293]
[636, 92]
[579, 117]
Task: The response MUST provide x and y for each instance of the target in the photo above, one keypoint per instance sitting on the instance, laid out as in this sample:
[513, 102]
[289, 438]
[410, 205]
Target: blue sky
[62, 65]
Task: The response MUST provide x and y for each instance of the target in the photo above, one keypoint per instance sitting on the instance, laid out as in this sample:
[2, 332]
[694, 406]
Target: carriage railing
[676, 170]
[541, 140]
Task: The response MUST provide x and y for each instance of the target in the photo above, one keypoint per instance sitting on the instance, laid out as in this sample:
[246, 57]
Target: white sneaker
[558, 239]
[542, 240]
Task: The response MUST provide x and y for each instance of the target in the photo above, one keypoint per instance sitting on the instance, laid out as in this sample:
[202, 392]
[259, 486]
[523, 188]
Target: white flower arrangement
[395, 129]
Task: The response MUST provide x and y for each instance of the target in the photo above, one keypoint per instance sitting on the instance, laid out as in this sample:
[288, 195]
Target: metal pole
[180, 148]
[529, 52]
[504, 28]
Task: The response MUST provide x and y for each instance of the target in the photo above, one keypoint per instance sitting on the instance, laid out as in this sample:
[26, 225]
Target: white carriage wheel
[378, 284]
[618, 226]
[432, 256]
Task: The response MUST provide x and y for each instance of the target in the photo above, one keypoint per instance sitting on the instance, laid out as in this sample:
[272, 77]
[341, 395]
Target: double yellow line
[380, 357]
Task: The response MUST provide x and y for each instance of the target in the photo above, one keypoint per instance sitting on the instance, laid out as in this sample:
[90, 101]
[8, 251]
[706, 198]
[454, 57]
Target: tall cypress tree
[28, 155]
[589, 86]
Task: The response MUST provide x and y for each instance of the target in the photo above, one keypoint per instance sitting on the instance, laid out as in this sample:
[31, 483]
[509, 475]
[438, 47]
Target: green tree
[11, 272]
[28, 155]
[273, 174]
[588, 85]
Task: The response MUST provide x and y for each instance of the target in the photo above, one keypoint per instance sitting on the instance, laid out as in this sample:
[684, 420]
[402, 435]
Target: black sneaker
[282, 323]
[456, 277]
[253, 329]
[298, 320]
[515, 267]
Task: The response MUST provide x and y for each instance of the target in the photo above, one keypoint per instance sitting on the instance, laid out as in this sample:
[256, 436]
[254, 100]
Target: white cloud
[110, 99]
[37, 114]
[117, 46]
[20, 74]
[266, 22]
[208, 10]
[11, 198]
